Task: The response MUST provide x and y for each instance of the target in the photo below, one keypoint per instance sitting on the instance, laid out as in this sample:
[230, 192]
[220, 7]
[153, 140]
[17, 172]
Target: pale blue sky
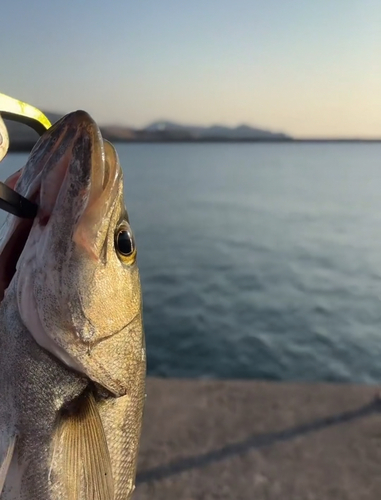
[307, 67]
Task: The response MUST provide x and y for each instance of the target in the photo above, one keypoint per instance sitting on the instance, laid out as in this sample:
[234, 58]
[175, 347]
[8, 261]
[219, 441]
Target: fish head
[74, 268]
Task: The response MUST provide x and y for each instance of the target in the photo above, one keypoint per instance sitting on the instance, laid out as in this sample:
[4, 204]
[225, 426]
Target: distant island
[22, 138]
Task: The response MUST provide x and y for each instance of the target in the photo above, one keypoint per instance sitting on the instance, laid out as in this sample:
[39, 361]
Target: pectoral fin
[6, 461]
[86, 459]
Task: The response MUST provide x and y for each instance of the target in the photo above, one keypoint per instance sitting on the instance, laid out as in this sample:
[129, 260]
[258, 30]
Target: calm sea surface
[257, 260]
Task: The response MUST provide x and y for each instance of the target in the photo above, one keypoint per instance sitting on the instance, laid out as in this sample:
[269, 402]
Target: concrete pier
[259, 440]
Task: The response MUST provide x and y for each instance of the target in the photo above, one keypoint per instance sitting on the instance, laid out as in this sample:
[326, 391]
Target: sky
[310, 68]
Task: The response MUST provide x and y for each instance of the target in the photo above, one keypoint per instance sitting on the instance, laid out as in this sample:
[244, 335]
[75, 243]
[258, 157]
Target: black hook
[16, 204]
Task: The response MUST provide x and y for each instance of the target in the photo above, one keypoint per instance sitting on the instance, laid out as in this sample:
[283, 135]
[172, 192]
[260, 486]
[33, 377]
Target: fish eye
[125, 244]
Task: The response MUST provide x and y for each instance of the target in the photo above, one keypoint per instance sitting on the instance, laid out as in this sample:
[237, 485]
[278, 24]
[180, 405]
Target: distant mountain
[215, 132]
[23, 137]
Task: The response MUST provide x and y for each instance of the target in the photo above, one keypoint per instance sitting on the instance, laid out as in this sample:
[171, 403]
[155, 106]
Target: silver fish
[72, 349]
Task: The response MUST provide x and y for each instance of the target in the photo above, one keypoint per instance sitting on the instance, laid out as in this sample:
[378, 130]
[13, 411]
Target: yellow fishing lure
[13, 109]
[16, 110]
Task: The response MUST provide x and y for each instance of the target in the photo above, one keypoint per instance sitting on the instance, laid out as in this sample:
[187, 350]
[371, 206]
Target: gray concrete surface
[259, 440]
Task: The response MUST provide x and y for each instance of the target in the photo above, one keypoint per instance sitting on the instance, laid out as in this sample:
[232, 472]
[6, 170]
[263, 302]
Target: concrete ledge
[259, 440]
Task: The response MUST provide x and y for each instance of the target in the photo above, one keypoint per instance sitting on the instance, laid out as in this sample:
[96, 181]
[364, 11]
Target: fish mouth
[68, 164]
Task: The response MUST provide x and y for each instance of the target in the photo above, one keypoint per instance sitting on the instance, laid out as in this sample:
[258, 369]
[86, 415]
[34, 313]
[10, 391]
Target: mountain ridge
[242, 131]
[22, 138]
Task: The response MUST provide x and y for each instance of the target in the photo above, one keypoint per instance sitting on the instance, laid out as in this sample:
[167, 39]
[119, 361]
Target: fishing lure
[13, 109]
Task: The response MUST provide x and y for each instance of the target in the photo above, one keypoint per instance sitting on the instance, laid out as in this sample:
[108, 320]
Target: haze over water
[257, 260]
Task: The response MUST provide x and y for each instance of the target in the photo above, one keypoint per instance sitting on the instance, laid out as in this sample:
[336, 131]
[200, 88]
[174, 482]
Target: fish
[72, 344]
